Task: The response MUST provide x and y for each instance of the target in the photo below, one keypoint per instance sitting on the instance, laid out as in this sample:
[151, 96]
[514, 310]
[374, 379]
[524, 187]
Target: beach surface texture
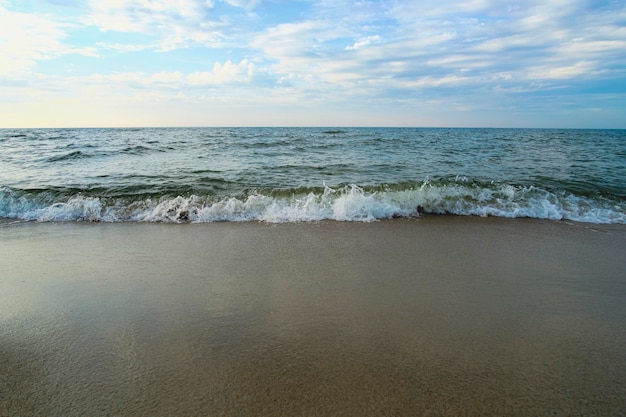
[430, 316]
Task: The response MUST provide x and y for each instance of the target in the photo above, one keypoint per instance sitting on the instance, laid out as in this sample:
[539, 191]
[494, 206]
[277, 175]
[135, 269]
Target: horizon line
[305, 127]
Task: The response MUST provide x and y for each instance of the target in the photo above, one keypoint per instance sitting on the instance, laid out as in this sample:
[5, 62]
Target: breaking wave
[344, 203]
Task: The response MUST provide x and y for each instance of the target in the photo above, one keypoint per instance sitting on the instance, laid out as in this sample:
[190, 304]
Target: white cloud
[227, 74]
[295, 39]
[126, 47]
[579, 69]
[177, 23]
[29, 38]
[364, 42]
[142, 15]
[430, 82]
[244, 4]
[224, 73]
[322, 51]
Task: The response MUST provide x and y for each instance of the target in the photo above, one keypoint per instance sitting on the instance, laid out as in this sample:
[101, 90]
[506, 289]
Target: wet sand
[438, 316]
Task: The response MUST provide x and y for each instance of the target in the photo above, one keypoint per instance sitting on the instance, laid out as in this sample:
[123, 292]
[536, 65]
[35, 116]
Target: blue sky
[535, 63]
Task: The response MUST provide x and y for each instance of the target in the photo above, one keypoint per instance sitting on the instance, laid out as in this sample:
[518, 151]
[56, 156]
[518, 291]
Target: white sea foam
[350, 203]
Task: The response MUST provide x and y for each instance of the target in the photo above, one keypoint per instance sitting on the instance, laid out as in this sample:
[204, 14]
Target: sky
[452, 63]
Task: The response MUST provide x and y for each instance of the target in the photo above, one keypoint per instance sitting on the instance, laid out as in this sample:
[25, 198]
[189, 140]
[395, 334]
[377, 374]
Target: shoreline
[421, 216]
[439, 315]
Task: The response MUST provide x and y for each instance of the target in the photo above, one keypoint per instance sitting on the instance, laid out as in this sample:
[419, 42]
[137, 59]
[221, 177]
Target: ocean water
[185, 175]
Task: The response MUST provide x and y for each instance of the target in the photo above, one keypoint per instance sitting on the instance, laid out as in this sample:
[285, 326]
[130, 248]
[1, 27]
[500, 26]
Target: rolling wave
[310, 204]
[69, 156]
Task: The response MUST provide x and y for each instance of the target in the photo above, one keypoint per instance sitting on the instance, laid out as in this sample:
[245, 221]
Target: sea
[288, 174]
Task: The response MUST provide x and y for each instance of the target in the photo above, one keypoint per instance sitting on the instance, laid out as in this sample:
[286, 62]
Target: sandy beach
[436, 316]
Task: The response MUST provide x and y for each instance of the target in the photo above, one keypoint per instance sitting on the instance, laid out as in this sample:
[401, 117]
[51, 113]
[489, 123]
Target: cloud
[244, 4]
[126, 47]
[364, 42]
[411, 52]
[228, 72]
[177, 23]
[28, 38]
[301, 39]
[142, 16]
[390, 52]
[579, 69]
[223, 74]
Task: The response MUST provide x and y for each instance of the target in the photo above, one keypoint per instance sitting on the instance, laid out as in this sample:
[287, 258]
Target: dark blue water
[309, 174]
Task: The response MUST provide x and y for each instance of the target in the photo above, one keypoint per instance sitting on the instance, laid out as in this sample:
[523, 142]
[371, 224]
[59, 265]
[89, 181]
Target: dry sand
[439, 316]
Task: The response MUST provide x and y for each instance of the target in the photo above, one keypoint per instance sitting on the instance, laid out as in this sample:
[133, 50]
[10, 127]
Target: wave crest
[345, 203]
